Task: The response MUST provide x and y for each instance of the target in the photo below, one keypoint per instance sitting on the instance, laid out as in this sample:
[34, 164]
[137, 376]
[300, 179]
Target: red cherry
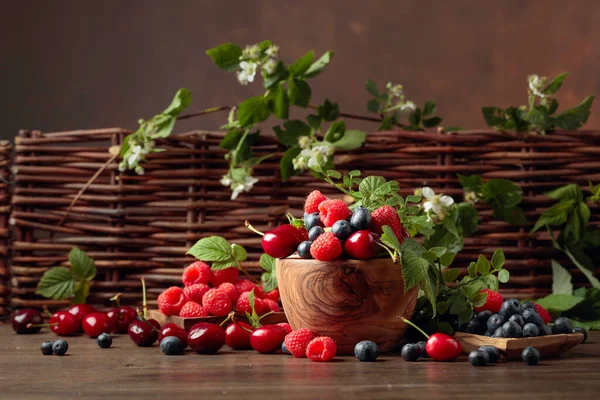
[120, 318]
[63, 323]
[81, 310]
[361, 245]
[205, 338]
[267, 339]
[237, 335]
[26, 316]
[442, 347]
[144, 333]
[95, 324]
[286, 326]
[171, 329]
[281, 241]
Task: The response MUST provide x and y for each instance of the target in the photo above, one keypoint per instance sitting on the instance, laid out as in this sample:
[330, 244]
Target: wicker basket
[5, 159]
[137, 226]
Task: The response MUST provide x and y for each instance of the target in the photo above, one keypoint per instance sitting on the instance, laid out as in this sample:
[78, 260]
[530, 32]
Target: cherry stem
[117, 299]
[264, 315]
[253, 229]
[143, 318]
[144, 304]
[229, 317]
[47, 312]
[40, 325]
[415, 326]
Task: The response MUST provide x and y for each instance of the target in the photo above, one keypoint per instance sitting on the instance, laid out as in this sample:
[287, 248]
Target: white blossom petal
[428, 205]
[428, 192]
[236, 191]
[446, 201]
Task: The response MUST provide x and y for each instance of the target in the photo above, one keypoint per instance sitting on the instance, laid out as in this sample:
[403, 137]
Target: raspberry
[326, 248]
[332, 211]
[297, 342]
[231, 290]
[195, 292]
[197, 272]
[386, 215]
[543, 313]
[286, 326]
[259, 292]
[171, 300]
[270, 305]
[245, 285]
[243, 304]
[273, 295]
[216, 302]
[322, 348]
[492, 303]
[312, 202]
[224, 275]
[191, 309]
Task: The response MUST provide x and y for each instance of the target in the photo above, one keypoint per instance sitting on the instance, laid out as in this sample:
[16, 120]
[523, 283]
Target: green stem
[415, 326]
[356, 116]
[144, 304]
[203, 112]
[253, 279]
[253, 229]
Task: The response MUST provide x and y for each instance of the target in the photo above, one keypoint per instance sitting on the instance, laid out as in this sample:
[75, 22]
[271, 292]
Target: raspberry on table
[216, 302]
[224, 275]
[387, 215]
[191, 309]
[243, 304]
[195, 292]
[197, 272]
[270, 305]
[326, 248]
[332, 211]
[543, 313]
[171, 300]
[297, 342]
[313, 200]
[322, 348]
[492, 303]
[231, 290]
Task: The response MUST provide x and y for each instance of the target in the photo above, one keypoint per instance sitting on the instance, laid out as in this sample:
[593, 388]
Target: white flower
[269, 66]
[247, 73]
[244, 186]
[273, 51]
[135, 156]
[225, 181]
[237, 189]
[408, 106]
[251, 52]
[304, 142]
[122, 166]
[395, 90]
[139, 170]
[435, 203]
[535, 85]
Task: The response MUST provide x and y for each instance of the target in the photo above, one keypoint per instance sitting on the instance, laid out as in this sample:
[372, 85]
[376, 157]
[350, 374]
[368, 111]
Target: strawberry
[543, 313]
[326, 247]
[492, 303]
[332, 211]
[297, 342]
[312, 202]
[387, 215]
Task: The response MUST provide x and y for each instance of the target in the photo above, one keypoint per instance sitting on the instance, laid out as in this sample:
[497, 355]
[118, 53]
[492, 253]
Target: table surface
[129, 372]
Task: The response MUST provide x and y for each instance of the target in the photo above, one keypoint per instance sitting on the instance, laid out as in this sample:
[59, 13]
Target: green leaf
[411, 198]
[279, 103]
[429, 109]
[480, 299]
[334, 174]
[389, 238]
[472, 270]
[492, 116]
[471, 183]
[238, 252]
[559, 302]
[231, 139]
[264, 45]
[293, 130]
[373, 106]
[431, 288]
[180, 102]
[267, 262]
[82, 265]
[537, 115]
[446, 328]
[56, 283]
[253, 110]
[429, 256]
[474, 288]
[219, 265]
[226, 56]
[503, 275]
[438, 251]
[372, 88]
[587, 325]
[314, 121]
[442, 307]
[561, 279]
[415, 118]
[431, 122]
[465, 316]
[555, 84]
[163, 124]
[328, 111]
[442, 237]
[501, 192]
[491, 282]
[467, 218]
[414, 268]
[567, 192]
[498, 259]
[301, 65]
[555, 215]
[318, 66]
[512, 215]
[279, 75]
[575, 117]
[299, 92]
[286, 167]
[335, 132]
[352, 139]
[458, 304]
[269, 280]
[450, 274]
[213, 248]
[447, 258]
[588, 274]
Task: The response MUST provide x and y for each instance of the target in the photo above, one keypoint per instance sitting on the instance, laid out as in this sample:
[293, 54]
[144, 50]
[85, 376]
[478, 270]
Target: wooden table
[129, 372]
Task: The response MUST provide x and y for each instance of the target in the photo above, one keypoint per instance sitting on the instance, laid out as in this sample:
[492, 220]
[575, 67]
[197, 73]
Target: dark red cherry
[120, 318]
[81, 310]
[26, 316]
[172, 329]
[95, 324]
[361, 245]
[237, 335]
[267, 339]
[144, 333]
[205, 338]
[281, 241]
[63, 323]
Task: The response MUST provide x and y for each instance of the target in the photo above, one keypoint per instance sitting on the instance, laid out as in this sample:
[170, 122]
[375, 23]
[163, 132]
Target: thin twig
[359, 117]
[203, 112]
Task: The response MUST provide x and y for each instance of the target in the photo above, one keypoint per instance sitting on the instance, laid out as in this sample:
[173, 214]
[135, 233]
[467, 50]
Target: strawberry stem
[415, 326]
[253, 229]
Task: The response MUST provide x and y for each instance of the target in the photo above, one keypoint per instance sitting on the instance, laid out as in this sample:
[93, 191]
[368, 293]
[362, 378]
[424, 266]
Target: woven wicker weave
[142, 225]
[5, 158]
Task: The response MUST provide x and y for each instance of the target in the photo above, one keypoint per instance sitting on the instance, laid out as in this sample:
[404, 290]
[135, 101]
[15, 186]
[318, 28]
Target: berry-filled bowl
[347, 300]
[187, 323]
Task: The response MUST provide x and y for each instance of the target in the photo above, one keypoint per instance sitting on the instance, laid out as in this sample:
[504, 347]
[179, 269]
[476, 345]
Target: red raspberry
[332, 211]
[273, 295]
[386, 215]
[543, 313]
[191, 309]
[322, 348]
[313, 200]
[245, 285]
[231, 290]
[259, 292]
[216, 302]
[326, 248]
[171, 300]
[197, 272]
[224, 275]
[243, 304]
[286, 326]
[270, 305]
[195, 292]
[297, 342]
[493, 302]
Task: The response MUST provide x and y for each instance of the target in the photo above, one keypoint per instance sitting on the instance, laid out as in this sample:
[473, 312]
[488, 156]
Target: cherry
[81, 310]
[237, 335]
[63, 323]
[267, 339]
[281, 241]
[205, 338]
[95, 324]
[361, 245]
[120, 318]
[144, 332]
[439, 346]
[24, 317]
[171, 329]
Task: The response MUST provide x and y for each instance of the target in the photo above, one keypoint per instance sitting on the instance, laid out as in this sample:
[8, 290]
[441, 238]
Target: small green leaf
[389, 238]
[491, 282]
[537, 115]
[446, 328]
[472, 270]
[253, 110]
[429, 109]
[480, 299]
[231, 139]
[269, 281]
[299, 92]
[328, 111]
[219, 265]
[335, 132]
[180, 102]
[568, 192]
[450, 274]
[471, 183]
[561, 279]
[447, 258]
[57, 283]
[238, 252]
[293, 130]
[301, 65]
[82, 265]
[483, 265]
[555, 84]
[465, 316]
[352, 139]
[498, 259]
[286, 166]
[575, 117]
[415, 118]
[493, 116]
[279, 102]
[429, 256]
[414, 268]
[503, 275]
[373, 106]
[559, 302]
[318, 66]
[431, 122]
[267, 262]
[279, 75]
[213, 248]
[442, 307]
[226, 56]
[372, 88]
[411, 198]
[314, 121]
[438, 251]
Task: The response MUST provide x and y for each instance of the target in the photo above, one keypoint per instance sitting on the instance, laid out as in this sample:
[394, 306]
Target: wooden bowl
[348, 300]
[187, 323]
[548, 346]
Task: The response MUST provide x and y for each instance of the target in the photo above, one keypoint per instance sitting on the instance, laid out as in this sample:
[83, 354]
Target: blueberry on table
[366, 351]
[410, 352]
[562, 325]
[530, 356]
[510, 307]
[423, 349]
[171, 346]
[341, 229]
[312, 220]
[581, 330]
[284, 349]
[315, 232]
[479, 358]
[361, 219]
[60, 347]
[531, 330]
[46, 348]
[495, 322]
[493, 353]
[511, 329]
[104, 340]
[518, 318]
[304, 249]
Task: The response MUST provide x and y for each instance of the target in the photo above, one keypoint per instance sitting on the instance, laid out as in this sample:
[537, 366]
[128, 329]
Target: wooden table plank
[129, 372]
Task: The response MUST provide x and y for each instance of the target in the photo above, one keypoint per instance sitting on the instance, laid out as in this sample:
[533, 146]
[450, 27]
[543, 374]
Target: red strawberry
[216, 302]
[387, 215]
[322, 348]
[543, 313]
[197, 272]
[312, 202]
[192, 309]
[195, 292]
[326, 247]
[492, 303]
[332, 211]
[297, 342]
[171, 300]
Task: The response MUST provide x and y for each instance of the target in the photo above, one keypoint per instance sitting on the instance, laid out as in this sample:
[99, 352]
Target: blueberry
[479, 358]
[361, 219]
[510, 307]
[562, 325]
[495, 322]
[531, 316]
[527, 305]
[60, 347]
[410, 352]
[518, 318]
[531, 330]
[422, 349]
[341, 229]
[492, 352]
[312, 220]
[104, 340]
[171, 345]
[315, 232]
[498, 333]
[579, 329]
[46, 348]
[545, 330]
[473, 326]
[304, 249]
[366, 351]
[487, 333]
[511, 329]
[530, 356]
[483, 317]
[285, 349]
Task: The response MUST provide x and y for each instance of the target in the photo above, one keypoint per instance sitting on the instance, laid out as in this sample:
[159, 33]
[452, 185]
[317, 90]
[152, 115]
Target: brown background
[84, 64]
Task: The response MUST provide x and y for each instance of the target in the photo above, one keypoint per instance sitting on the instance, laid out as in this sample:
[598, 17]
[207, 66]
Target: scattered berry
[284, 349]
[197, 272]
[313, 219]
[530, 356]
[171, 329]
[311, 204]
[341, 229]
[493, 302]
[547, 330]
[543, 313]
[361, 219]
[473, 327]
[366, 351]
[60, 347]
[104, 340]
[144, 333]
[231, 290]
[478, 358]
[494, 322]
[332, 211]
[81, 310]
[492, 352]
[64, 323]
[270, 305]
[120, 318]
[273, 295]
[286, 326]
[410, 352]
[315, 232]
[237, 335]
[511, 329]
[387, 215]
[510, 307]
[195, 292]
[281, 241]
[518, 318]
[171, 346]
[216, 302]
[422, 349]
[581, 330]
[562, 325]
[243, 304]
[95, 324]
[171, 300]
[531, 330]
[27, 321]
[361, 245]
[224, 275]
[322, 348]
[267, 339]
[304, 249]
[46, 348]
[205, 338]
[297, 342]
[326, 248]
[191, 309]
[442, 347]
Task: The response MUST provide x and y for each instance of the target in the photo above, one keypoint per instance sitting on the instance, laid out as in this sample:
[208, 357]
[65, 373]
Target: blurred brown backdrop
[86, 64]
